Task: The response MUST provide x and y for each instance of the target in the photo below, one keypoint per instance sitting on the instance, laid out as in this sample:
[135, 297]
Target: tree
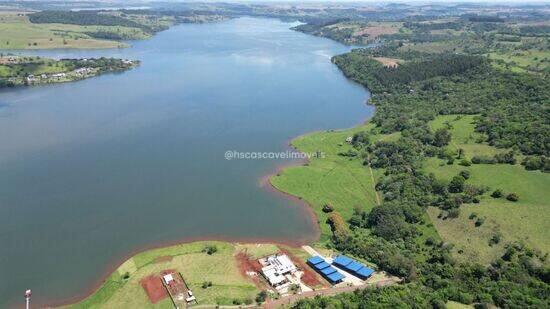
[513, 197]
[457, 184]
[210, 249]
[261, 297]
[328, 208]
[442, 137]
[497, 193]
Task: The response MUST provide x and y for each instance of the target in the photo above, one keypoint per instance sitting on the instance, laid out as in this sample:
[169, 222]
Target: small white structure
[349, 139]
[168, 278]
[276, 267]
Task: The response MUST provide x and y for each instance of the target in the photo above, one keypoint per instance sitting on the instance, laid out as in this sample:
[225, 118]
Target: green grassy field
[521, 61]
[18, 33]
[195, 266]
[527, 220]
[35, 66]
[332, 179]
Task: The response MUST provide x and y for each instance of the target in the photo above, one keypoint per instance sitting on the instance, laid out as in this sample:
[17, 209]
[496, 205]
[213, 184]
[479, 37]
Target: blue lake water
[94, 170]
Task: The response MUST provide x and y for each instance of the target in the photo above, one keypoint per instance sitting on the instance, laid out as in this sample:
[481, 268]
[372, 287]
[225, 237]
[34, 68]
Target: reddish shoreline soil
[265, 184]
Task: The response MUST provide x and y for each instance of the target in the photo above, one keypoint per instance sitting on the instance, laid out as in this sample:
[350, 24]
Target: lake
[95, 170]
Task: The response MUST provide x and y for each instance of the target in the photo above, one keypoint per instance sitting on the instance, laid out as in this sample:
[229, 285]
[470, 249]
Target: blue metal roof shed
[335, 277]
[315, 260]
[327, 271]
[342, 260]
[365, 272]
[354, 266]
[321, 265]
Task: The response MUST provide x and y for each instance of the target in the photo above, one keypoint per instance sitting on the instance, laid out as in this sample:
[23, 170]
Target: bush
[473, 215]
[328, 208]
[453, 213]
[480, 221]
[126, 276]
[494, 240]
[456, 185]
[465, 174]
[497, 193]
[430, 241]
[513, 197]
[483, 160]
[261, 297]
[465, 162]
[210, 249]
[206, 284]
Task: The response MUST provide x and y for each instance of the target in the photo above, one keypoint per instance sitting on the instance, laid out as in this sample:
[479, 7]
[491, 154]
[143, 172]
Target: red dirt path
[153, 287]
[310, 278]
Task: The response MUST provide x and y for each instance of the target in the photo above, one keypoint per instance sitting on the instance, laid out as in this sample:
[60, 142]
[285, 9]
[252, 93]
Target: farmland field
[526, 220]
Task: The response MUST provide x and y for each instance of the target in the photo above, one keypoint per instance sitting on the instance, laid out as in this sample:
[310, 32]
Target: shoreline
[264, 183]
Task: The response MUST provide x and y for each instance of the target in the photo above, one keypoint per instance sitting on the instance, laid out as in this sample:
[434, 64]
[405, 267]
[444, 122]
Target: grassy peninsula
[27, 71]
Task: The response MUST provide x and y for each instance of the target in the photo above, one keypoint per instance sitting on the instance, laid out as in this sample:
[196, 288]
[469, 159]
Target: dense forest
[87, 18]
[514, 108]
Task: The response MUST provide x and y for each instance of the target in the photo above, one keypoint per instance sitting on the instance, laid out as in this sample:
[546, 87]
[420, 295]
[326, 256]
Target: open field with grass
[194, 265]
[527, 219]
[527, 60]
[330, 179]
[19, 33]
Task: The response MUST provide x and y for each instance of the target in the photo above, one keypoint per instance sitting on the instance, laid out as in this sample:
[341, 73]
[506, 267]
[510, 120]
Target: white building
[276, 267]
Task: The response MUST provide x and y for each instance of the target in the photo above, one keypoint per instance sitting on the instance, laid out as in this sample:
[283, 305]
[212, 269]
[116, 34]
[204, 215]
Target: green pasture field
[526, 220]
[194, 265]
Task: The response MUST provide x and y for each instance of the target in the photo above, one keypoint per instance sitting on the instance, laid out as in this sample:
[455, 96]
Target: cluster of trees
[434, 25]
[87, 18]
[514, 108]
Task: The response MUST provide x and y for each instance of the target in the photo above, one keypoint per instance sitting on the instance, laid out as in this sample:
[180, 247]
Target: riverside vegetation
[25, 71]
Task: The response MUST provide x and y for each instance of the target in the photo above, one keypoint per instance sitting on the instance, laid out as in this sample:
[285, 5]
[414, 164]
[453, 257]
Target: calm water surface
[94, 170]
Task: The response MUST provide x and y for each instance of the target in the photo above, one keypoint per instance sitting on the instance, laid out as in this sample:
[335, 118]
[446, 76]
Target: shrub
[430, 241]
[480, 221]
[465, 162]
[473, 215]
[210, 249]
[497, 193]
[483, 160]
[261, 297]
[453, 213]
[456, 185]
[338, 226]
[465, 174]
[206, 284]
[328, 208]
[513, 197]
[494, 240]
[126, 276]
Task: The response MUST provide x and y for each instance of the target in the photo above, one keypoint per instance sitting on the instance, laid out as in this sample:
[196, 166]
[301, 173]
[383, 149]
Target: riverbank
[28, 71]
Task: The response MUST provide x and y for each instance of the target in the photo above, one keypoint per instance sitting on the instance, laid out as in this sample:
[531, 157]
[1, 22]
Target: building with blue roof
[315, 260]
[354, 266]
[335, 277]
[321, 265]
[327, 271]
[342, 260]
[364, 272]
